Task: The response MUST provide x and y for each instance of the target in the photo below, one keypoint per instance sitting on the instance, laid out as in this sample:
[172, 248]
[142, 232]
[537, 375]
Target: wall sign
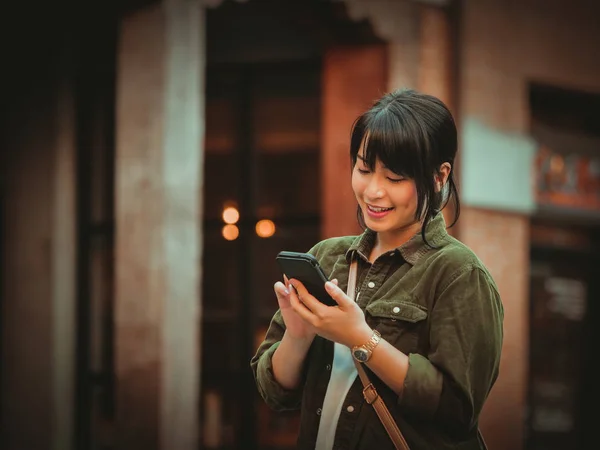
[567, 180]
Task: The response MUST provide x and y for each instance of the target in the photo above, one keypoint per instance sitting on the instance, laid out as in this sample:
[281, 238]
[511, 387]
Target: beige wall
[504, 46]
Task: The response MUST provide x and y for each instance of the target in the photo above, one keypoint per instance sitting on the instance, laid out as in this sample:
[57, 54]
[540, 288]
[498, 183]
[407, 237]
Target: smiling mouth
[378, 209]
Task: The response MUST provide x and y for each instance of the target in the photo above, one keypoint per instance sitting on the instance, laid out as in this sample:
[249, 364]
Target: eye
[362, 171]
[395, 180]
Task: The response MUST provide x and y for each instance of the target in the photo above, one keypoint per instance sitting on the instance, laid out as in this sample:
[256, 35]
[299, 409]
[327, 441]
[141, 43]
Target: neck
[389, 240]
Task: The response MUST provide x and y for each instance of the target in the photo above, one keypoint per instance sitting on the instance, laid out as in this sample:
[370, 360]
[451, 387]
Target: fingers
[299, 307]
[307, 299]
[283, 295]
[281, 289]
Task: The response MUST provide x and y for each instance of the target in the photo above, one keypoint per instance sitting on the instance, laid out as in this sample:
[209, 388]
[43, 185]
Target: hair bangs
[388, 139]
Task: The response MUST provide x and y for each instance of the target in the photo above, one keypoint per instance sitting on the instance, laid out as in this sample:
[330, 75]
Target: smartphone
[305, 268]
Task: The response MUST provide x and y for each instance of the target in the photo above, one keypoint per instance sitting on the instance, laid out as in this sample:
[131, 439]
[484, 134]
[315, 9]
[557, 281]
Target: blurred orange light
[265, 228]
[231, 215]
[230, 232]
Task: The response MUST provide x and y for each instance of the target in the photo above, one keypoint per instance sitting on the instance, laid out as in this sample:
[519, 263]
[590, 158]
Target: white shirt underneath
[343, 374]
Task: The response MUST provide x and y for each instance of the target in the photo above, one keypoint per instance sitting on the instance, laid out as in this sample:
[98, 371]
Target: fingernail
[287, 292]
[330, 285]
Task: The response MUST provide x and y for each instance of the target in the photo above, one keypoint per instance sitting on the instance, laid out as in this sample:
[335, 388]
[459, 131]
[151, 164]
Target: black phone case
[305, 267]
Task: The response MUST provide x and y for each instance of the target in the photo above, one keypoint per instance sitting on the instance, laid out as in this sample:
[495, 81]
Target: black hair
[412, 134]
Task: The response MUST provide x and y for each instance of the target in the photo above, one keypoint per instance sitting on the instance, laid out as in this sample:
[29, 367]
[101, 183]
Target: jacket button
[328, 367]
[371, 284]
[350, 409]
[318, 411]
[396, 309]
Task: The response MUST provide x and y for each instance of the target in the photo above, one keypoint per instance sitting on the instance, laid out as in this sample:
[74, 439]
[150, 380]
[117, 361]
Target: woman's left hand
[344, 323]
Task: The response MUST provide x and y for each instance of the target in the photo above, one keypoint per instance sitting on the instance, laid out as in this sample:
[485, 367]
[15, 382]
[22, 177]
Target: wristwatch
[362, 353]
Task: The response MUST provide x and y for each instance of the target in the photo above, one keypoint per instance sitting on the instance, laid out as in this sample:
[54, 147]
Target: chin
[376, 226]
[390, 224]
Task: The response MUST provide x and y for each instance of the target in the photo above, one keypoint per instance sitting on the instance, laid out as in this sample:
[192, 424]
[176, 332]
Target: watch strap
[372, 343]
[369, 346]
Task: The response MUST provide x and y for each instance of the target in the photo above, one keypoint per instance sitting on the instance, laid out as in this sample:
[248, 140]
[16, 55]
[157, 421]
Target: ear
[442, 176]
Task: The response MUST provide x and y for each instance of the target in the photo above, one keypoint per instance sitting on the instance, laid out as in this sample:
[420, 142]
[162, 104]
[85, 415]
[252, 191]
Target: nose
[375, 188]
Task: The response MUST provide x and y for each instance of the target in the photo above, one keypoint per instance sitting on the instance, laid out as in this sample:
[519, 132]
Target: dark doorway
[262, 193]
[565, 269]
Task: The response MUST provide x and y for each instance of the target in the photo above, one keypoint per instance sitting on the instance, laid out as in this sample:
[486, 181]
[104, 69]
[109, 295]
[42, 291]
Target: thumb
[337, 294]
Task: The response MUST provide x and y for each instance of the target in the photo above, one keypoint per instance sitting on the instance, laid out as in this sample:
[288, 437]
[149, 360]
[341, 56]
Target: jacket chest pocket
[400, 322]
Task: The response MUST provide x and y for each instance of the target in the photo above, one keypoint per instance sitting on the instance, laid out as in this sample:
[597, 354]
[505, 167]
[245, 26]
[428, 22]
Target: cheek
[407, 195]
[357, 183]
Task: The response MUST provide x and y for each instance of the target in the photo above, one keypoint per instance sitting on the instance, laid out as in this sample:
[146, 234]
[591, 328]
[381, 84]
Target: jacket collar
[412, 250]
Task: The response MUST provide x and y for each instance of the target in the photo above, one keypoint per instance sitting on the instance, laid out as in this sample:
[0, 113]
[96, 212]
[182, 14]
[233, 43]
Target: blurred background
[157, 155]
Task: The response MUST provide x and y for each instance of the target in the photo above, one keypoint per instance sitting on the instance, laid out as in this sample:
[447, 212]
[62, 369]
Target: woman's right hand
[295, 325]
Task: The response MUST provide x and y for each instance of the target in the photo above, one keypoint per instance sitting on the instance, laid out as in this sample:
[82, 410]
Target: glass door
[261, 195]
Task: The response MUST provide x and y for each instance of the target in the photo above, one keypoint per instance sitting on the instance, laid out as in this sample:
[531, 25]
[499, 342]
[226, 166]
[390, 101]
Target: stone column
[436, 43]
[398, 23]
[435, 53]
[38, 265]
[159, 158]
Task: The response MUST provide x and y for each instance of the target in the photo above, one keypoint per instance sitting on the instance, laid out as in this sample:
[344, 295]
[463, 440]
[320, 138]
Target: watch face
[361, 354]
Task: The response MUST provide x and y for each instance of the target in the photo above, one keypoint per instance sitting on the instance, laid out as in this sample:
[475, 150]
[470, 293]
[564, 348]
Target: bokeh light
[265, 228]
[231, 215]
[230, 232]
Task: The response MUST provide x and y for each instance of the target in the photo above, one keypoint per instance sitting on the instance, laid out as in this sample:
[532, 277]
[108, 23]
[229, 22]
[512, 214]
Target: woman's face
[387, 200]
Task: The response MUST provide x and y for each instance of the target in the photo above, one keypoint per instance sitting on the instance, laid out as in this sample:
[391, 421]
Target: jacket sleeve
[270, 390]
[451, 384]
[261, 364]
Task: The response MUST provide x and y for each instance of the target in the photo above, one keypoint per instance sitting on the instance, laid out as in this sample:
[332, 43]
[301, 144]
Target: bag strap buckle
[370, 394]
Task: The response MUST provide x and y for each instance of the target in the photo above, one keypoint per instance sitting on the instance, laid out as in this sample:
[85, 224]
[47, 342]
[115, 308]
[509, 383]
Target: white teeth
[372, 208]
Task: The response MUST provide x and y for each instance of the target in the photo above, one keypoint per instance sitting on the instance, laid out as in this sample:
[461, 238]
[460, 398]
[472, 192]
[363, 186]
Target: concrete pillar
[435, 53]
[160, 133]
[38, 262]
[435, 77]
[398, 24]
[495, 224]
[501, 240]
[353, 78]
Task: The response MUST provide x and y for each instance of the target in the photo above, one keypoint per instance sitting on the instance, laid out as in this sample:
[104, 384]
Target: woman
[430, 299]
